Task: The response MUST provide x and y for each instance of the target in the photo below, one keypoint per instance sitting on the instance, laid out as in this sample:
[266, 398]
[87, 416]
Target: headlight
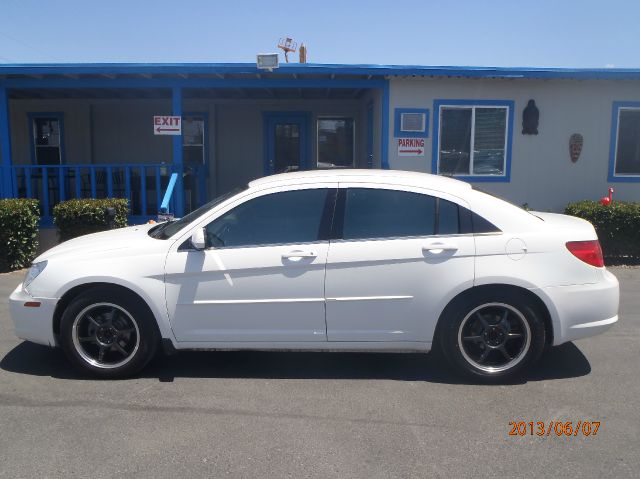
[34, 271]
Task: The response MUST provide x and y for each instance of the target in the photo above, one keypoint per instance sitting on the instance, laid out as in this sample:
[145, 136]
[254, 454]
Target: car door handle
[439, 247]
[299, 254]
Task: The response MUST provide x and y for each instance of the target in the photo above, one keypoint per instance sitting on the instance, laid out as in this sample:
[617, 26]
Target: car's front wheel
[108, 333]
[493, 337]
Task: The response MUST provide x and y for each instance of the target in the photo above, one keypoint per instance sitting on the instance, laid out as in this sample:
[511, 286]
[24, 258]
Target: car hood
[121, 238]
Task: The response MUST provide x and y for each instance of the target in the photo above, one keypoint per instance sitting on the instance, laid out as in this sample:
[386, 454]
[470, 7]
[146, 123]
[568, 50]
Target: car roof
[392, 177]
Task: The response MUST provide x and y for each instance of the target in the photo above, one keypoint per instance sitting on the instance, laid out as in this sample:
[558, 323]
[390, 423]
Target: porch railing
[142, 184]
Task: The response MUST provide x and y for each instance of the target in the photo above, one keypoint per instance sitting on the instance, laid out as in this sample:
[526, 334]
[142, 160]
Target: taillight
[587, 251]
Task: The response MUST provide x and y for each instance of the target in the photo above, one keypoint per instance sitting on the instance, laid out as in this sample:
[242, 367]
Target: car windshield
[167, 230]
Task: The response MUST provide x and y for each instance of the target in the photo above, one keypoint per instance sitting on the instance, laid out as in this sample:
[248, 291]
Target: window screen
[278, 218]
[628, 142]
[377, 213]
[413, 122]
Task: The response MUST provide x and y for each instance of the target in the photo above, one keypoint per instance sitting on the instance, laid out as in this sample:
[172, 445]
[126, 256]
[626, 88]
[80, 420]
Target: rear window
[371, 213]
[379, 213]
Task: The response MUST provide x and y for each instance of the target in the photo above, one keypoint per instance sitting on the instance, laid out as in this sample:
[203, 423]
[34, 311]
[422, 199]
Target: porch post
[177, 152]
[6, 185]
[384, 144]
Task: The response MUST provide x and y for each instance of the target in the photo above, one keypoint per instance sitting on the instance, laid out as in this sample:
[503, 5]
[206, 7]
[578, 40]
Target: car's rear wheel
[108, 334]
[493, 337]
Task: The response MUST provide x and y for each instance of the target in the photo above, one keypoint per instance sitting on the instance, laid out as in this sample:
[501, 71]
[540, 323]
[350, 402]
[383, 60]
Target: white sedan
[326, 260]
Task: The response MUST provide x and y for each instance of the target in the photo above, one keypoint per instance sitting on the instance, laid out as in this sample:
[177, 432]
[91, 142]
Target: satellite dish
[288, 46]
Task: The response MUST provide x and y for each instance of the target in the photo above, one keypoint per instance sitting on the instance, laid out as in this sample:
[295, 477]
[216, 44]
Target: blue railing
[141, 183]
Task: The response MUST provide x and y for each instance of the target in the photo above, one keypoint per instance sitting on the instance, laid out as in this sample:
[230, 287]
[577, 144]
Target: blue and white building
[87, 130]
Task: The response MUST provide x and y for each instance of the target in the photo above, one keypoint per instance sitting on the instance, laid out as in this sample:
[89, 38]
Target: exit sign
[167, 125]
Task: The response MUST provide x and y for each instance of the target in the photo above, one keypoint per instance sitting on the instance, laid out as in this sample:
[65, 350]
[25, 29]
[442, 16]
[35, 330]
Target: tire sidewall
[149, 336]
[450, 347]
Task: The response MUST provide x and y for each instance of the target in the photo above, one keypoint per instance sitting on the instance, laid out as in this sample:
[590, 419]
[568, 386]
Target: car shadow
[566, 361]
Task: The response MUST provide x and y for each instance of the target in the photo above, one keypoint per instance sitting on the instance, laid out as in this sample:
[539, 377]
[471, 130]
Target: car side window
[471, 222]
[448, 218]
[278, 218]
[380, 213]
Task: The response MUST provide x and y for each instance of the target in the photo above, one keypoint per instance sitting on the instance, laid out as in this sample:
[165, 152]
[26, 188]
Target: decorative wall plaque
[575, 146]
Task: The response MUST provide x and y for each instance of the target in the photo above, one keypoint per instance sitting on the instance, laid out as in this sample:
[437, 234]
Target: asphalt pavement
[258, 414]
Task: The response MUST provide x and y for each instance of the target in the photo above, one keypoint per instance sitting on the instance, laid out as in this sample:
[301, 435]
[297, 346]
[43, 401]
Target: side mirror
[198, 239]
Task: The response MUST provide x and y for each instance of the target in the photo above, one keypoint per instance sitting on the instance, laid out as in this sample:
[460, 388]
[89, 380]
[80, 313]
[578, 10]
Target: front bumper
[32, 323]
[580, 311]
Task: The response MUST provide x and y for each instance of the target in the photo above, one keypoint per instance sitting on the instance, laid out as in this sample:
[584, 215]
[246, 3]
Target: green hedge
[617, 225]
[84, 216]
[18, 233]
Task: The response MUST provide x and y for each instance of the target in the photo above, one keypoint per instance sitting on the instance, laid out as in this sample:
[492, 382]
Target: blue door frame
[273, 118]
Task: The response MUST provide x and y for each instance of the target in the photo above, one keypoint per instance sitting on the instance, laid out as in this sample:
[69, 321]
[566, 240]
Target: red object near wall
[606, 200]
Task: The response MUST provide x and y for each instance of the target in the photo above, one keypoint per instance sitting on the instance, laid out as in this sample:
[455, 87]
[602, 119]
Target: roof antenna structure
[303, 53]
[288, 46]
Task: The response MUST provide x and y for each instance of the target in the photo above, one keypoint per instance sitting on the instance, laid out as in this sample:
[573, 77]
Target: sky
[535, 33]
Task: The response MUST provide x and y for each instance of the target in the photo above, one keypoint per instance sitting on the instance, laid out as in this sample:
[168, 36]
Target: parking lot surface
[258, 414]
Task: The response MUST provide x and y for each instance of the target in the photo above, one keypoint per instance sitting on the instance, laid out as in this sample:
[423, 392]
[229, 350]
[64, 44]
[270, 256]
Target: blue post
[77, 178]
[384, 143]
[127, 185]
[177, 152]
[6, 185]
[61, 192]
[27, 180]
[109, 175]
[143, 190]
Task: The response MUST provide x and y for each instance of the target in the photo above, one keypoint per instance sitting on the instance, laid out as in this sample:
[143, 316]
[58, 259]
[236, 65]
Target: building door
[195, 158]
[286, 142]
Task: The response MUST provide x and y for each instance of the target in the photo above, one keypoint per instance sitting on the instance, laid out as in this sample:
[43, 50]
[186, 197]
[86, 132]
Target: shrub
[617, 225]
[84, 216]
[18, 233]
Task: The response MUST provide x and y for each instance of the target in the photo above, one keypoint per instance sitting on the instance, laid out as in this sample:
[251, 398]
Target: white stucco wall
[542, 173]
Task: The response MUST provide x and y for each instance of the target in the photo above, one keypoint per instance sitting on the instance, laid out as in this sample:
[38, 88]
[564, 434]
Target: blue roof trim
[314, 68]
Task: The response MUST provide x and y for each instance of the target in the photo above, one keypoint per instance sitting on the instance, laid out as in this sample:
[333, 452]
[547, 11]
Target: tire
[108, 333]
[492, 337]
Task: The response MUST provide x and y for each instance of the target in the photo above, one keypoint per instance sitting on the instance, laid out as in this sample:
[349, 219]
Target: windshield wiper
[156, 230]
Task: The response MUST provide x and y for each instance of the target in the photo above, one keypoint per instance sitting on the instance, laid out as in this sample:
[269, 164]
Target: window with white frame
[627, 146]
[47, 139]
[193, 151]
[472, 140]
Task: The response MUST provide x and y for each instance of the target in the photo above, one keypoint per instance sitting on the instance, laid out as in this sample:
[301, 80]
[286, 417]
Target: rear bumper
[580, 311]
[32, 324]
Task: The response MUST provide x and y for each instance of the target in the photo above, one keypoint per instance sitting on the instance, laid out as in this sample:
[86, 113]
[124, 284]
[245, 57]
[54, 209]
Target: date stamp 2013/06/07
[554, 428]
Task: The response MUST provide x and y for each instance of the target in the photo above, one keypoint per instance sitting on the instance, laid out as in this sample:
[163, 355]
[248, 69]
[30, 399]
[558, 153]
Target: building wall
[115, 131]
[77, 128]
[239, 136]
[120, 131]
[542, 173]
